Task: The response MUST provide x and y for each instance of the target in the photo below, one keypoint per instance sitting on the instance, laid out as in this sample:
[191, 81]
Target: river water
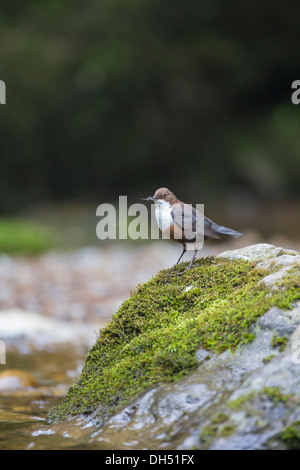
[51, 308]
[23, 412]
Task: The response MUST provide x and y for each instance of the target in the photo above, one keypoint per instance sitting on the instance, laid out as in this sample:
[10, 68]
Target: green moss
[155, 334]
[279, 341]
[291, 436]
[238, 403]
[207, 434]
[275, 394]
[288, 289]
[227, 430]
[268, 359]
[219, 418]
[211, 431]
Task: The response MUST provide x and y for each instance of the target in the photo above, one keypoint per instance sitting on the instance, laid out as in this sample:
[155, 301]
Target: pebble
[15, 379]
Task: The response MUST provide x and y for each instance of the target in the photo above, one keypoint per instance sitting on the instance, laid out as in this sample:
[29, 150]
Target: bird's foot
[181, 272]
[174, 271]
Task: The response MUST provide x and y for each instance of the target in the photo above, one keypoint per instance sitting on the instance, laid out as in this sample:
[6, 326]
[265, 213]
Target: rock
[283, 322]
[205, 360]
[268, 256]
[272, 279]
[258, 252]
[28, 330]
[14, 379]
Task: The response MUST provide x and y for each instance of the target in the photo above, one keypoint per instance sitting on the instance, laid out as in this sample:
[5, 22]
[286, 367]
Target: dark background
[114, 97]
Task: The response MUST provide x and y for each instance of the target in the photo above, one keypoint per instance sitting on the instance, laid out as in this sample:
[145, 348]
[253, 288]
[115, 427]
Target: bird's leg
[194, 256]
[184, 250]
[191, 263]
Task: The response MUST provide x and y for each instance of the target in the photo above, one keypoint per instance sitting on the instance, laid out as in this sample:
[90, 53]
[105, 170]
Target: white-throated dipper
[184, 224]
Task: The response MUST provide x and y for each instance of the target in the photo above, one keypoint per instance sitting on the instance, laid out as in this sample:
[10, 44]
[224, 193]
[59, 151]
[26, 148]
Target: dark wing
[192, 223]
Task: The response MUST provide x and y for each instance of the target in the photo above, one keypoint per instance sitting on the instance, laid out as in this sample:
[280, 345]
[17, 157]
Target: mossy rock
[291, 436]
[154, 336]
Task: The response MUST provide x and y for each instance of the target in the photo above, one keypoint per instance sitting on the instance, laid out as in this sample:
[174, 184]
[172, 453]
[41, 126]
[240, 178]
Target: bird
[184, 224]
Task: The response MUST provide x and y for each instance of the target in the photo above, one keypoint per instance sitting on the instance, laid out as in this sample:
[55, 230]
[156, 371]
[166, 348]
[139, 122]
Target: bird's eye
[165, 195]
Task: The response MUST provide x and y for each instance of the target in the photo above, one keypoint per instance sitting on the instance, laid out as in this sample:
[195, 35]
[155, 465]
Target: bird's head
[163, 195]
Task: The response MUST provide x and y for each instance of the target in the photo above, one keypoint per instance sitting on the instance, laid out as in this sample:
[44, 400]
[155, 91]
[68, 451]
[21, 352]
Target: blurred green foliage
[25, 237]
[121, 97]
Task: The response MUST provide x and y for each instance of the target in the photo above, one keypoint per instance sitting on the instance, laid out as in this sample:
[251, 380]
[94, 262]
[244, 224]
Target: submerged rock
[15, 379]
[206, 359]
[28, 331]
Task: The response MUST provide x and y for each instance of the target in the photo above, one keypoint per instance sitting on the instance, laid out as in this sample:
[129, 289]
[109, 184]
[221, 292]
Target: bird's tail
[226, 231]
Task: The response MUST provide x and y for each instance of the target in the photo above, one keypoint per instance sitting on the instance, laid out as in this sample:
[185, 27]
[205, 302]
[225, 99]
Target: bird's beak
[150, 198]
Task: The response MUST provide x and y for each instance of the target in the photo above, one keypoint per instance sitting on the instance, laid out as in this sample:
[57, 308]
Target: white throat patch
[163, 214]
